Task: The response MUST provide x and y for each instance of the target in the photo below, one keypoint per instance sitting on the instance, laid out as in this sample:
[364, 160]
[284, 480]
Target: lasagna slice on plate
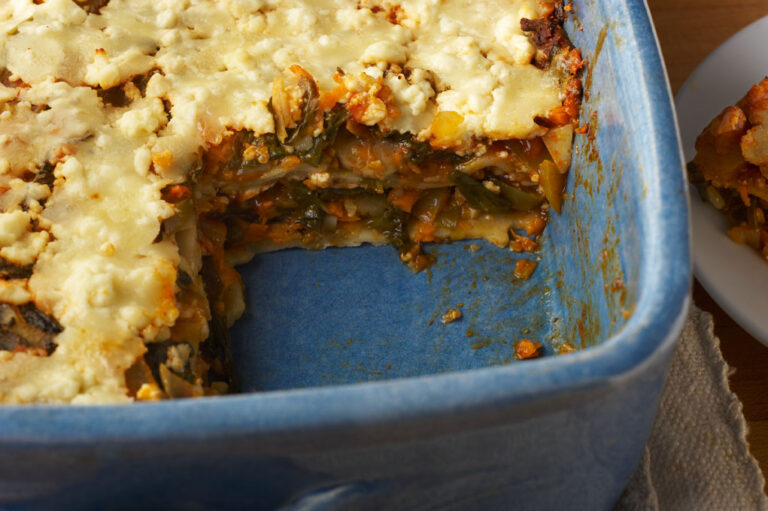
[730, 169]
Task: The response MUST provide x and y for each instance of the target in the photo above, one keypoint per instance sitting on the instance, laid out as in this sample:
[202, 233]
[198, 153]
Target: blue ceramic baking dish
[367, 402]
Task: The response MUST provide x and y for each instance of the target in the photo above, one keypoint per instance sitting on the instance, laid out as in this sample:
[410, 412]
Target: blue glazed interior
[597, 244]
[641, 226]
[352, 315]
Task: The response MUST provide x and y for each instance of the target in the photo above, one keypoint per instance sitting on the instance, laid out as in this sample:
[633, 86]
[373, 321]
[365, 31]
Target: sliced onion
[559, 142]
[430, 203]
[552, 182]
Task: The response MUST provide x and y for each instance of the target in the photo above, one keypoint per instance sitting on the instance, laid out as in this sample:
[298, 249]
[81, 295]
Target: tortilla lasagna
[147, 147]
[730, 169]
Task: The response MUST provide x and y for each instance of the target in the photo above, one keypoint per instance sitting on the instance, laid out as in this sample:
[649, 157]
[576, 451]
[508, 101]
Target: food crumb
[149, 392]
[566, 348]
[522, 243]
[450, 316]
[474, 247]
[524, 268]
[163, 159]
[526, 349]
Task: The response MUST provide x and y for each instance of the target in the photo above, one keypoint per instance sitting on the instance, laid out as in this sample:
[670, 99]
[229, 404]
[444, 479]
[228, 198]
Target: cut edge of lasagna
[92, 310]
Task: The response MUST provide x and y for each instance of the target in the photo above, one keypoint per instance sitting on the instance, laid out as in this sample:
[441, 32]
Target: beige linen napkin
[697, 456]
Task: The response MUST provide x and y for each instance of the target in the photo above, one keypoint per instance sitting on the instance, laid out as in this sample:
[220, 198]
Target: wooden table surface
[688, 31]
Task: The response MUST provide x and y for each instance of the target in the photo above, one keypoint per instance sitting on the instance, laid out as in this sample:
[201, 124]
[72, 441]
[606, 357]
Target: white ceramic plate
[734, 275]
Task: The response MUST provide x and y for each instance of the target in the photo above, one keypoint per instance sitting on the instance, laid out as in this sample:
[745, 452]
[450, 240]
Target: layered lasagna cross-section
[730, 169]
[147, 147]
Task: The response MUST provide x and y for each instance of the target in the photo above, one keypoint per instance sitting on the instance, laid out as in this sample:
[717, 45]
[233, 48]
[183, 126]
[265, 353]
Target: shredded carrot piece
[163, 159]
[176, 193]
[425, 231]
[403, 198]
[559, 116]
[329, 99]
[336, 208]
[526, 349]
[445, 129]
[524, 268]
[298, 70]
[744, 193]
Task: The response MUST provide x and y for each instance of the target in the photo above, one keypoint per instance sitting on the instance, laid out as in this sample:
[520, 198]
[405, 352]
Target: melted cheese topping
[98, 269]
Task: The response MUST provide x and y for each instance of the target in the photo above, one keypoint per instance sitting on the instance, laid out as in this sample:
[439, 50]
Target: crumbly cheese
[98, 268]
[219, 57]
[13, 226]
[142, 120]
[14, 291]
[7, 93]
